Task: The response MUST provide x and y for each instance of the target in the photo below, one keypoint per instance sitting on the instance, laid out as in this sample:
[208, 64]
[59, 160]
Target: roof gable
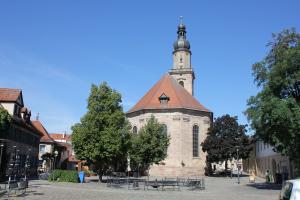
[46, 137]
[167, 86]
[11, 95]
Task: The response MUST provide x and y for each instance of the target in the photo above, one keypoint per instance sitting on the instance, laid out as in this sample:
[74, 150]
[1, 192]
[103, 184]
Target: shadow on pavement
[265, 186]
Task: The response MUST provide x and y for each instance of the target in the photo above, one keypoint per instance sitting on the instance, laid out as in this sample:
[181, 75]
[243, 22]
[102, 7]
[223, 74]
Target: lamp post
[17, 164]
[12, 163]
[54, 163]
[230, 155]
[27, 162]
[237, 164]
[1, 151]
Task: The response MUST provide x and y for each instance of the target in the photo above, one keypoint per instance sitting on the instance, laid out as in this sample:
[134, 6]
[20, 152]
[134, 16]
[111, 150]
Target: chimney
[37, 116]
[64, 134]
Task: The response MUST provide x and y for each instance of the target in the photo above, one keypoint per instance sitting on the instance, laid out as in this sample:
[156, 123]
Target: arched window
[181, 83]
[195, 141]
[134, 130]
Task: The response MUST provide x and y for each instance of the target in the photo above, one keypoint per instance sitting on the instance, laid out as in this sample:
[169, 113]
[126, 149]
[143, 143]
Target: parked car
[290, 190]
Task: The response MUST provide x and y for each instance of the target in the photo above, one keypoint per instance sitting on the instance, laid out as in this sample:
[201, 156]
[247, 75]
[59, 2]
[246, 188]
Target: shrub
[64, 176]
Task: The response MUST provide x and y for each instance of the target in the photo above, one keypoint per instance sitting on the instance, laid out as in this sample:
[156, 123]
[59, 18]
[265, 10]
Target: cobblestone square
[216, 188]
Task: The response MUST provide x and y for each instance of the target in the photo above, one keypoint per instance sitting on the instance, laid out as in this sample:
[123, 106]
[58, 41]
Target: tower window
[195, 141]
[181, 83]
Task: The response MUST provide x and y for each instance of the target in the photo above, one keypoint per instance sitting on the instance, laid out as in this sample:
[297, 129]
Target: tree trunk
[226, 166]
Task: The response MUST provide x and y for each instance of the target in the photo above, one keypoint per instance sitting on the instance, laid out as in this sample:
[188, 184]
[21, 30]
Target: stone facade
[180, 160]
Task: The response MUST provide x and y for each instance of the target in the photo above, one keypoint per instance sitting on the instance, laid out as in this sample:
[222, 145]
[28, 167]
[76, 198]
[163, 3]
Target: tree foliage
[224, 137]
[150, 145]
[274, 112]
[102, 136]
[5, 120]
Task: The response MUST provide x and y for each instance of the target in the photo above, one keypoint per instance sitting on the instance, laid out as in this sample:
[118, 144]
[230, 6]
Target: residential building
[265, 160]
[22, 138]
[68, 160]
[50, 147]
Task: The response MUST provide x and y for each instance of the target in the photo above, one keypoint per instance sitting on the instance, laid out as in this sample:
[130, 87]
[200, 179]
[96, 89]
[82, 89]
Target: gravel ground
[216, 188]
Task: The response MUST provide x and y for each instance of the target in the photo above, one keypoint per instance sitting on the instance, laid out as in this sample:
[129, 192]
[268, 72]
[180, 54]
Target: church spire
[182, 69]
[181, 44]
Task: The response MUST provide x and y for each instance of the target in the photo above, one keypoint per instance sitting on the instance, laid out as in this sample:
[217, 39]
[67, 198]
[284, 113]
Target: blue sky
[55, 50]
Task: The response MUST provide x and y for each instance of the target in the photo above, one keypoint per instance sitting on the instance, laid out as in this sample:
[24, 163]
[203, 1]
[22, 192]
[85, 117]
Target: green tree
[5, 120]
[102, 137]
[150, 145]
[224, 138]
[274, 113]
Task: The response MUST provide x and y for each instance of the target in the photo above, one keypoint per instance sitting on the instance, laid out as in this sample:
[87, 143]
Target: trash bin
[81, 176]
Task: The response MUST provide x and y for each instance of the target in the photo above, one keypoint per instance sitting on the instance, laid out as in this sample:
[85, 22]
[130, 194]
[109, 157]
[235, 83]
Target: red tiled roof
[178, 97]
[39, 126]
[61, 136]
[73, 159]
[8, 94]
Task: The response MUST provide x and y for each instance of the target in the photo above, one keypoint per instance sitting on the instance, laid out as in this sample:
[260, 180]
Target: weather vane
[181, 19]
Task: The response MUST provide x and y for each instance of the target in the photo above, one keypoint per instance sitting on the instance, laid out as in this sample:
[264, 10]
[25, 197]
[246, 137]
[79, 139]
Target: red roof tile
[73, 159]
[178, 97]
[46, 137]
[8, 94]
[61, 136]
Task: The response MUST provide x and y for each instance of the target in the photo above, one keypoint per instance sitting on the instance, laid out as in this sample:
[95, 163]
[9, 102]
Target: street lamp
[27, 162]
[237, 164]
[230, 155]
[1, 151]
[12, 163]
[55, 155]
[53, 163]
[17, 164]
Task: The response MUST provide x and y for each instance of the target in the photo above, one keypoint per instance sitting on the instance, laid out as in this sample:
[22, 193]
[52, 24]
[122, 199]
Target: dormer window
[17, 110]
[163, 99]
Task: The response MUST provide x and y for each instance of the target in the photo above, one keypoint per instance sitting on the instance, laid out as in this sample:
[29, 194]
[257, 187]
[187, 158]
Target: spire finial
[37, 116]
[181, 19]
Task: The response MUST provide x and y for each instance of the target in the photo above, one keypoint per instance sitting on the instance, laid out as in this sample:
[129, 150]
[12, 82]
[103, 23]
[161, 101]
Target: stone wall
[180, 160]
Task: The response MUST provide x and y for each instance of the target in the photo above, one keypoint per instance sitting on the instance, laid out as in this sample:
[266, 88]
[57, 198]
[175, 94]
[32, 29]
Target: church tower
[182, 69]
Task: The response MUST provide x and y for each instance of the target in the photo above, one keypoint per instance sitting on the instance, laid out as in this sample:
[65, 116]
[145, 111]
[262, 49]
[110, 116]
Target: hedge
[64, 176]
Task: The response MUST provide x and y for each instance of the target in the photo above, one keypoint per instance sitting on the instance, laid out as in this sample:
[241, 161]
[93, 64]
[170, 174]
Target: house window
[42, 148]
[134, 130]
[17, 110]
[195, 141]
[181, 83]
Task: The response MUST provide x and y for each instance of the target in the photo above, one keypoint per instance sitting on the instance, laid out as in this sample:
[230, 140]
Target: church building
[171, 100]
